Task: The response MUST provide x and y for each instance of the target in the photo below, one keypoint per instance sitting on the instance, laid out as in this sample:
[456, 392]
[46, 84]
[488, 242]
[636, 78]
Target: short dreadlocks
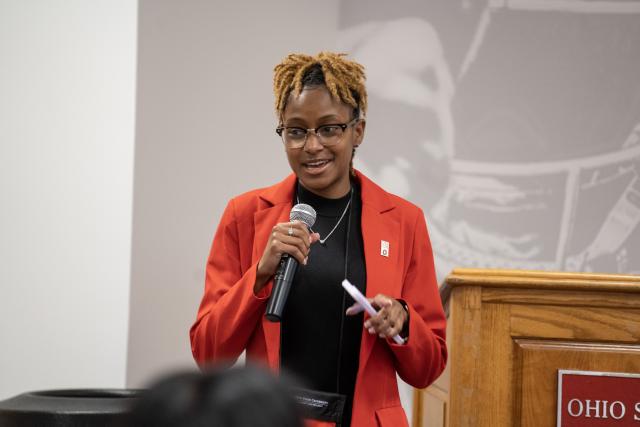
[342, 77]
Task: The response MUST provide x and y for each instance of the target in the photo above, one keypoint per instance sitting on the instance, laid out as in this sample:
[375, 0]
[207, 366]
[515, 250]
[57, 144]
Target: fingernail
[310, 239]
[305, 260]
[367, 324]
[372, 331]
[381, 335]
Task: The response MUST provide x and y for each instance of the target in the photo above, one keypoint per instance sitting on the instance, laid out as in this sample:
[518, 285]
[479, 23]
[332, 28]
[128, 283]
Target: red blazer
[230, 318]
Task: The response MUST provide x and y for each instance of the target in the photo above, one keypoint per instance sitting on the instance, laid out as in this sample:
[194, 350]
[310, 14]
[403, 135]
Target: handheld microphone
[287, 268]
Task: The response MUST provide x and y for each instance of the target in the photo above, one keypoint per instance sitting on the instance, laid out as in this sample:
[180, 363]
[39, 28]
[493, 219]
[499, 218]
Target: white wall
[67, 83]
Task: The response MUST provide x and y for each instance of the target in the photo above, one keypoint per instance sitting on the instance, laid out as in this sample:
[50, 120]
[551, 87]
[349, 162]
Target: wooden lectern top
[497, 278]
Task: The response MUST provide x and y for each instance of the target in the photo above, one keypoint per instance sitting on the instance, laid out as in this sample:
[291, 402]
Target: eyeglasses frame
[344, 127]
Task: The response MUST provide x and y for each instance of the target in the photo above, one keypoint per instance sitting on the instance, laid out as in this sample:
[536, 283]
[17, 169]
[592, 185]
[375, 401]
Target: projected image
[515, 125]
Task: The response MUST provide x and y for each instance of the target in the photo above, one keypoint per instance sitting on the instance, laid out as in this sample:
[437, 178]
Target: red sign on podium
[587, 398]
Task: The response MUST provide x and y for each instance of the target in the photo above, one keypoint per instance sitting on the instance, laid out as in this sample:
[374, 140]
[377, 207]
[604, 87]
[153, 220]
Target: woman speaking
[378, 241]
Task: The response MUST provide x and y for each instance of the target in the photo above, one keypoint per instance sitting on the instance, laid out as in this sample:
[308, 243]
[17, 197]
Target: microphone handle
[281, 286]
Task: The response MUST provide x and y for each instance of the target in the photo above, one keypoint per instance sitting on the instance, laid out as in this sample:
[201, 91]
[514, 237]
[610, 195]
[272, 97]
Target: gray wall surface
[205, 132]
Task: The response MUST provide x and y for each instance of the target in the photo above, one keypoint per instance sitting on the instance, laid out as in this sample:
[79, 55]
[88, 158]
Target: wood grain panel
[545, 275]
[433, 407]
[496, 405]
[542, 280]
[560, 298]
[540, 361]
[580, 323]
[465, 352]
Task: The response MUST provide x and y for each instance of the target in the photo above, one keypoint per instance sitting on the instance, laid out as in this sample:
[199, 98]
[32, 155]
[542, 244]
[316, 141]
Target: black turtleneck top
[319, 343]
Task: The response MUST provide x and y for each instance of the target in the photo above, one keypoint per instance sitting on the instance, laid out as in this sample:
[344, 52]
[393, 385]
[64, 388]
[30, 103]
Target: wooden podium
[509, 332]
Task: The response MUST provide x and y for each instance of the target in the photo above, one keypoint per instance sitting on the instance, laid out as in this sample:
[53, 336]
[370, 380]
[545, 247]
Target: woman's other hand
[389, 321]
[291, 238]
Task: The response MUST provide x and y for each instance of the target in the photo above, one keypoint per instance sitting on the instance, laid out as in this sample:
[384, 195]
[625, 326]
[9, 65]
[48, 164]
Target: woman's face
[322, 170]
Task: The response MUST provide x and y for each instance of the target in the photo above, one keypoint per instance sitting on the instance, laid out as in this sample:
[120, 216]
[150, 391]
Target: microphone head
[303, 213]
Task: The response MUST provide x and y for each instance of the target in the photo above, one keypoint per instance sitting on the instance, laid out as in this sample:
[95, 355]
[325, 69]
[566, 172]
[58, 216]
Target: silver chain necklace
[346, 208]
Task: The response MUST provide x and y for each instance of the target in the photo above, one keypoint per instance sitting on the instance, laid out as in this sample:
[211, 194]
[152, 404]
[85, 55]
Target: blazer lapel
[278, 202]
[379, 229]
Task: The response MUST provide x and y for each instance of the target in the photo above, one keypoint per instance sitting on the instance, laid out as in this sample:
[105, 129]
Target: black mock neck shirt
[319, 343]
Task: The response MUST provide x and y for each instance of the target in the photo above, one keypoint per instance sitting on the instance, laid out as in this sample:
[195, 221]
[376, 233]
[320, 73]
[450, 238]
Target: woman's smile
[317, 166]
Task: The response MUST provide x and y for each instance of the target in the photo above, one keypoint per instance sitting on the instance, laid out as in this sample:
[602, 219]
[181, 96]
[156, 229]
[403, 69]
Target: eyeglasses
[328, 135]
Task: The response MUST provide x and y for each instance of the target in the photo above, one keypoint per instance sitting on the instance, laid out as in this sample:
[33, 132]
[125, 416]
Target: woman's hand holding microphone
[292, 238]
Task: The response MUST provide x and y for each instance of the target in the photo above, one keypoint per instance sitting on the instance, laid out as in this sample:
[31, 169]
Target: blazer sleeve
[230, 311]
[423, 357]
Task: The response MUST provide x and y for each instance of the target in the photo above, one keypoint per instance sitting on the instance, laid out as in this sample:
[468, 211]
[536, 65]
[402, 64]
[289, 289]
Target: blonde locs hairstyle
[343, 78]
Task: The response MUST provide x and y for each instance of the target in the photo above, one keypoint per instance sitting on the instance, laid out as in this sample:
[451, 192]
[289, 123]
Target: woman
[375, 239]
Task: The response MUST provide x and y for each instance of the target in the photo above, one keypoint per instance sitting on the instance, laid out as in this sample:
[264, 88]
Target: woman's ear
[358, 129]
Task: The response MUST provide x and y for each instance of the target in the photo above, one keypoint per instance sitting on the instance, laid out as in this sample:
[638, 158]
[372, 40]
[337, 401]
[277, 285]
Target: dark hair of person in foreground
[235, 397]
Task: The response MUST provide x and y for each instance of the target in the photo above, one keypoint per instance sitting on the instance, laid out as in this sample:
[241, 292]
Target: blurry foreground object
[221, 398]
[68, 408]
